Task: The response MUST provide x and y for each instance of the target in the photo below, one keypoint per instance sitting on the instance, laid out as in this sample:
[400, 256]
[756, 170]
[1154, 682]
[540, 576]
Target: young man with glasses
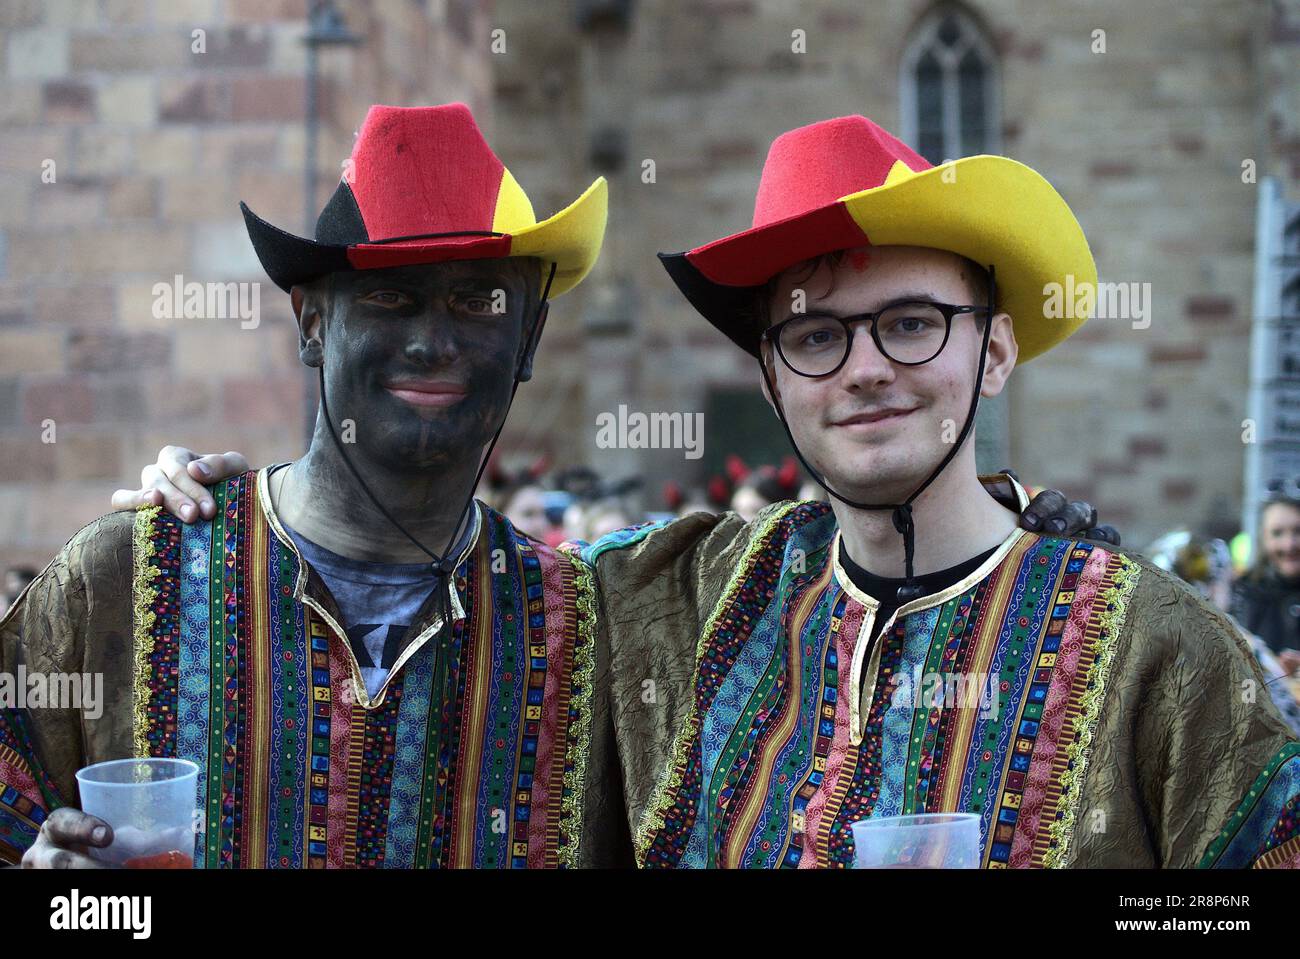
[802, 672]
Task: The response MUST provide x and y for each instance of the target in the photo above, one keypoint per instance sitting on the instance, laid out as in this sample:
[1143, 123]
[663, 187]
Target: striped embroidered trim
[579, 739]
[1247, 804]
[653, 819]
[12, 781]
[145, 594]
[1117, 599]
[1285, 856]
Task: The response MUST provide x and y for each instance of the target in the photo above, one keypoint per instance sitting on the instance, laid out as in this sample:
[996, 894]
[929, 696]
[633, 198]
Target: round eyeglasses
[909, 333]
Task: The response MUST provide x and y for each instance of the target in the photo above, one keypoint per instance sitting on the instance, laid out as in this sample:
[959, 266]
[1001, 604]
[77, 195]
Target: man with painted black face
[368, 667]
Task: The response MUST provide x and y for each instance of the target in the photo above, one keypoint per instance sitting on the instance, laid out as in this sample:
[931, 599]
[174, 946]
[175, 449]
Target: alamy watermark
[208, 301]
[26, 689]
[651, 431]
[1102, 301]
[76, 912]
[922, 690]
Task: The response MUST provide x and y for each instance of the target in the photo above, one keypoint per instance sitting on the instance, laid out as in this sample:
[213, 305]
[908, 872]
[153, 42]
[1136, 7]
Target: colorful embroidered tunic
[218, 644]
[1089, 708]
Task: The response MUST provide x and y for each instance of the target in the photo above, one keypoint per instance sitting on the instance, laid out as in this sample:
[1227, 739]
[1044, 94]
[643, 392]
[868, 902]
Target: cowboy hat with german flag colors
[423, 186]
[847, 182]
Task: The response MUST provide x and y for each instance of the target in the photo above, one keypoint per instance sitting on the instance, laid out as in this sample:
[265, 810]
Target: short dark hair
[978, 283]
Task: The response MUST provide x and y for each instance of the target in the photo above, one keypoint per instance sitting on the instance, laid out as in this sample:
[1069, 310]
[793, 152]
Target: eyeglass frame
[949, 310]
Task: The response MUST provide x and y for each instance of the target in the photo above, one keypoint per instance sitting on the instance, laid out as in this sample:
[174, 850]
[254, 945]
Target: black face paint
[433, 358]
[393, 333]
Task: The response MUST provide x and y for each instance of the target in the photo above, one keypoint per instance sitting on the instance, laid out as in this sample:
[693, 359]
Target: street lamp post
[325, 28]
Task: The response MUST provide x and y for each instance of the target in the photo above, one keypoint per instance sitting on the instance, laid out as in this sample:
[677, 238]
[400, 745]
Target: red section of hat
[376, 257]
[815, 165]
[757, 255]
[424, 170]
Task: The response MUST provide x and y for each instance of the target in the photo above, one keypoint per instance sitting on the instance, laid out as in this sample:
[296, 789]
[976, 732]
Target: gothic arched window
[948, 83]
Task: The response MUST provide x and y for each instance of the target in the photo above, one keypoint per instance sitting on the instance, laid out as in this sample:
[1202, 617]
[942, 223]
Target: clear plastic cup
[151, 805]
[940, 840]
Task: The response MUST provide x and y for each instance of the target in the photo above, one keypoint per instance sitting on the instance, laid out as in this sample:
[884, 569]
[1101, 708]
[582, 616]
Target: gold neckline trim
[933, 599]
[300, 592]
[862, 640]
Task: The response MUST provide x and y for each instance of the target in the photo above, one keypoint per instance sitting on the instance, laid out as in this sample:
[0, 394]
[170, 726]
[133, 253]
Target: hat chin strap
[902, 517]
[445, 564]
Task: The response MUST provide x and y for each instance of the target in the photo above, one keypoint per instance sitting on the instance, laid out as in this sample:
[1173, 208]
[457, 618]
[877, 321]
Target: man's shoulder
[109, 533]
[103, 548]
[659, 532]
[649, 548]
[1157, 587]
[1159, 615]
[1128, 566]
[102, 551]
[96, 559]
[713, 533]
[105, 543]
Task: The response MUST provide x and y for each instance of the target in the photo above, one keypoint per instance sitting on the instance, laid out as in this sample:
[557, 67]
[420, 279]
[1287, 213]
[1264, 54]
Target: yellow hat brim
[998, 212]
[570, 239]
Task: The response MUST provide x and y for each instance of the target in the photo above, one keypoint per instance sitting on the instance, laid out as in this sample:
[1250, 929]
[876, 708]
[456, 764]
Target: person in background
[603, 517]
[1266, 599]
[764, 486]
[521, 495]
[595, 504]
[1207, 565]
[526, 509]
[16, 580]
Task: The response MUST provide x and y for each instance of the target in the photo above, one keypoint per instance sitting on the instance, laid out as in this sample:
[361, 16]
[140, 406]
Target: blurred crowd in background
[577, 504]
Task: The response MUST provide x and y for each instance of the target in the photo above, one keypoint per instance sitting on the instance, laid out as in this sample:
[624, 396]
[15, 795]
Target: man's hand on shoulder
[178, 482]
[1053, 513]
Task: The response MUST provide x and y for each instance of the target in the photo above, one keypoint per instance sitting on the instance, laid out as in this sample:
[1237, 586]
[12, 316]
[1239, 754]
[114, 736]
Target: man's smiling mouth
[862, 422]
[435, 393]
